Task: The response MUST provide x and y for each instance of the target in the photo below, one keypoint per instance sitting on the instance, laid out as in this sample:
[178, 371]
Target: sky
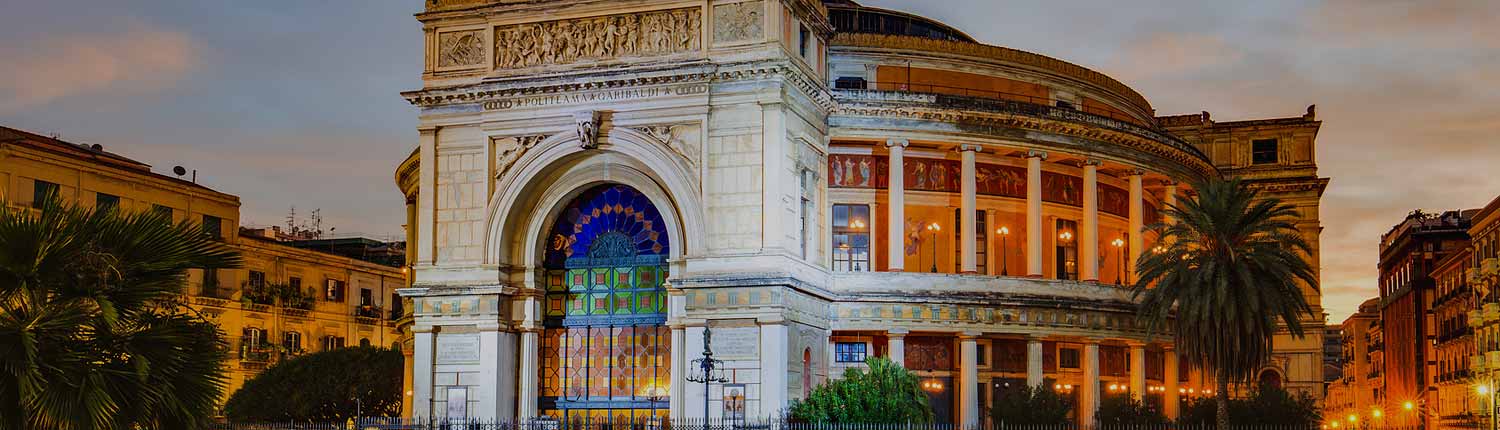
[295, 103]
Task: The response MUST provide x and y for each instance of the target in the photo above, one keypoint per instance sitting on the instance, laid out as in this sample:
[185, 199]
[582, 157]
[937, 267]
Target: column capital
[1135, 344]
[897, 332]
[1036, 154]
[1169, 182]
[969, 335]
[1092, 162]
[894, 142]
[969, 147]
[1136, 172]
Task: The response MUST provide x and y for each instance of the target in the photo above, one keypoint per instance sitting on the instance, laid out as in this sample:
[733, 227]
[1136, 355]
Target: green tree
[1031, 406]
[323, 386]
[887, 393]
[93, 334]
[1267, 405]
[1126, 410]
[1227, 274]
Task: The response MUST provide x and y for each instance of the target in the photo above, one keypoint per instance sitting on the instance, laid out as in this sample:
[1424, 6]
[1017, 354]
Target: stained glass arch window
[606, 350]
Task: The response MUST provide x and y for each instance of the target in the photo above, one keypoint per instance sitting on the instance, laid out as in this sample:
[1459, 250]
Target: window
[292, 341]
[257, 279]
[163, 211]
[213, 227]
[364, 342]
[41, 191]
[333, 290]
[210, 281]
[106, 201]
[1067, 250]
[295, 283]
[1067, 358]
[982, 355]
[366, 297]
[980, 255]
[805, 211]
[850, 352]
[397, 308]
[255, 338]
[851, 238]
[850, 83]
[332, 342]
[1064, 104]
[804, 42]
[1263, 151]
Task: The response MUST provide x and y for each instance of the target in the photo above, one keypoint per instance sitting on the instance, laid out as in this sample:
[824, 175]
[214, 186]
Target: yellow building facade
[1482, 274]
[338, 302]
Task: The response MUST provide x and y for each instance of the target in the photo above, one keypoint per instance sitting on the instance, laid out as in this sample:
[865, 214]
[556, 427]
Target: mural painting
[998, 180]
[857, 171]
[1064, 189]
[1114, 200]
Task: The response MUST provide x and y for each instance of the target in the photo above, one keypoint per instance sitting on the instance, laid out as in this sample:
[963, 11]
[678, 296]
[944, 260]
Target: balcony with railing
[368, 314]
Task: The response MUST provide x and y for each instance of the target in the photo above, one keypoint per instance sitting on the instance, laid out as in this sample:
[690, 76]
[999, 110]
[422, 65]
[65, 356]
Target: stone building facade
[596, 184]
[343, 301]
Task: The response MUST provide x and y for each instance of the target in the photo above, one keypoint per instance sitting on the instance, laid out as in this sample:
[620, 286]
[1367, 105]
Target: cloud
[1151, 55]
[139, 58]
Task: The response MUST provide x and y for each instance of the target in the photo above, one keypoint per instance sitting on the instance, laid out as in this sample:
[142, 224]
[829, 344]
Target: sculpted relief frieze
[460, 48]
[576, 40]
[509, 149]
[735, 22]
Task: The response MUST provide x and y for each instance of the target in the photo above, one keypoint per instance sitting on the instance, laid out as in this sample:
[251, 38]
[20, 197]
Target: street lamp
[1004, 252]
[934, 228]
[707, 370]
[1120, 246]
[1484, 390]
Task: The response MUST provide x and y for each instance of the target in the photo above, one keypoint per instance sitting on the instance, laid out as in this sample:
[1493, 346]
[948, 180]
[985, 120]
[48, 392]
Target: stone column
[527, 379]
[968, 379]
[678, 390]
[896, 199]
[1034, 213]
[1137, 370]
[1169, 198]
[421, 374]
[495, 393]
[896, 346]
[1088, 399]
[1034, 375]
[1088, 235]
[773, 368]
[968, 187]
[1171, 399]
[1136, 223]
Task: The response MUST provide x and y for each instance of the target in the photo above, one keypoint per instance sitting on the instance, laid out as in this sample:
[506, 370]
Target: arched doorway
[1270, 378]
[606, 352]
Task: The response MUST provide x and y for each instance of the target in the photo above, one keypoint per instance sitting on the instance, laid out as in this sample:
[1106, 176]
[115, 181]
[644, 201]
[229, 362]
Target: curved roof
[850, 17]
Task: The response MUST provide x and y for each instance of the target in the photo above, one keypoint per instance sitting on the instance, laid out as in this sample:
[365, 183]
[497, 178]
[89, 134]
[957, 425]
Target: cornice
[989, 52]
[708, 75]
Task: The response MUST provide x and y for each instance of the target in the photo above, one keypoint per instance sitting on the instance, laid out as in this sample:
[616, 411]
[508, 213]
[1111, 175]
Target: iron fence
[659, 423]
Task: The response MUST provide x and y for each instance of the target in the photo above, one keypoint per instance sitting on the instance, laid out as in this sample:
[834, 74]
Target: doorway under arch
[606, 351]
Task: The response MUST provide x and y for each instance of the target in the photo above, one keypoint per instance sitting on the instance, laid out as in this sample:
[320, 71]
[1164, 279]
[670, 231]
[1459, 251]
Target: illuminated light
[1003, 230]
[1067, 386]
[1408, 406]
[1113, 387]
[1335, 424]
[1353, 418]
[1483, 389]
[1057, 386]
[1182, 391]
[934, 227]
[1118, 243]
[1375, 413]
[1065, 236]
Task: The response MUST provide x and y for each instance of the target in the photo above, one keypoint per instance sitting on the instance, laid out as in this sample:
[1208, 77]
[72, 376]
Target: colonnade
[1089, 395]
[1088, 234]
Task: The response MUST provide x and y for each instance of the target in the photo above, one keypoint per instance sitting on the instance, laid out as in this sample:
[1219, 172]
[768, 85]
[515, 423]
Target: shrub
[1031, 406]
[1267, 405]
[323, 386]
[1123, 409]
[887, 393]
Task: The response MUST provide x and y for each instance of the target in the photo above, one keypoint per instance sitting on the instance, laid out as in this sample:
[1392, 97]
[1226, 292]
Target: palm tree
[1228, 273]
[93, 334]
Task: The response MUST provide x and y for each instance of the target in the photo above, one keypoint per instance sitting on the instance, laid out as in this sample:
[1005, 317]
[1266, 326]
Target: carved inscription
[738, 21]
[598, 38]
[594, 97]
[460, 48]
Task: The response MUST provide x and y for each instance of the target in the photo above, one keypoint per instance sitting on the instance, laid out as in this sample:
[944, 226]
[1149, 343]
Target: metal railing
[659, 423]
[988, 93]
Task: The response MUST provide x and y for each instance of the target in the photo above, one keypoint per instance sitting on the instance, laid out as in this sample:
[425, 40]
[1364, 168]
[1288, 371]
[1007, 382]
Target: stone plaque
[457, 348]
[731, 343]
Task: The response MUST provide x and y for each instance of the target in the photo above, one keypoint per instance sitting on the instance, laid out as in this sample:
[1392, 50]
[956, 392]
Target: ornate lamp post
[707, 370]
[1120, 246]
[934, 228]
[1004, 252]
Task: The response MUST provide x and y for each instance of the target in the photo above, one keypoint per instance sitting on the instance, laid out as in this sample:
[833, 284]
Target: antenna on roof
[179, 170]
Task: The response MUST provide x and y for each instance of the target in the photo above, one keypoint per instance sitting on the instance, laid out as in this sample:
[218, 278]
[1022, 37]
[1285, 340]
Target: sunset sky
[294, 103]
